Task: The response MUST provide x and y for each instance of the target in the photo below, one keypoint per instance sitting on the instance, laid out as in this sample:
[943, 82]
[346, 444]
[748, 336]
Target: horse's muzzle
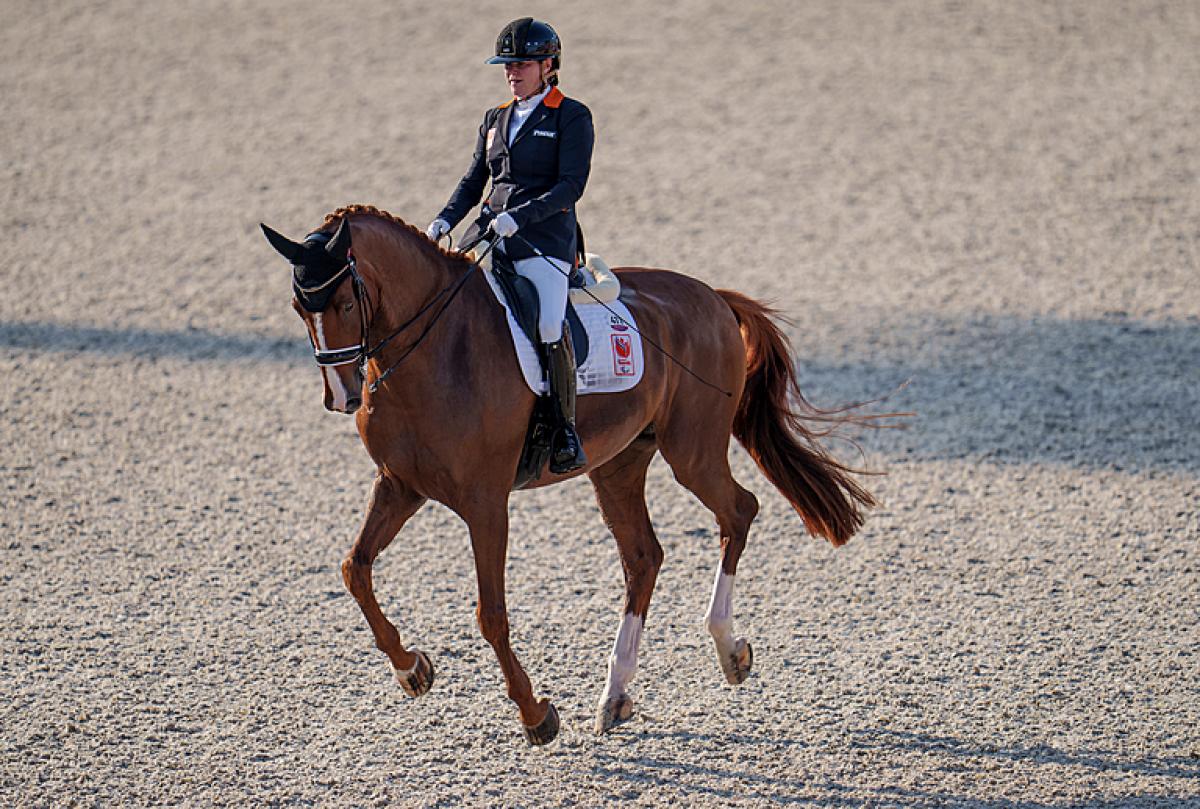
[343, 395]
[351, 405]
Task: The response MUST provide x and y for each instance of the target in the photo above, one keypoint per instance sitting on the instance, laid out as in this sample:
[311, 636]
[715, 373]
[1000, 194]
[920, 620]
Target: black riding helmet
[527, 39]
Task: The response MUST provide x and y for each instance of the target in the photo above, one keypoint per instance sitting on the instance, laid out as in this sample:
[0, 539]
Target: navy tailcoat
[536, 180]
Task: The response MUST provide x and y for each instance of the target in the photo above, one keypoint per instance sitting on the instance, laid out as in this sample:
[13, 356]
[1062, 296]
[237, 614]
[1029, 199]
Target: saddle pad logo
[622, 350]
[616, 323]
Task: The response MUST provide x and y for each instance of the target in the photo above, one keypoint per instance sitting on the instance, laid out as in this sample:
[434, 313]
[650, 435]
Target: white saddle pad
[615, 359]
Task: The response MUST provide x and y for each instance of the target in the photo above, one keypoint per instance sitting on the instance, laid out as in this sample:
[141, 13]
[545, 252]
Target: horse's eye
[348, 307]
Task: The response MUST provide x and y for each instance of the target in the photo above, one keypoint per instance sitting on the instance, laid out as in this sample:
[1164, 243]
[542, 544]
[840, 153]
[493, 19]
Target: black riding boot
[566, 450]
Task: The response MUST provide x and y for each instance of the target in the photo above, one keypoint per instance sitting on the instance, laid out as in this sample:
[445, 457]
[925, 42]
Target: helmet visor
[506, 60]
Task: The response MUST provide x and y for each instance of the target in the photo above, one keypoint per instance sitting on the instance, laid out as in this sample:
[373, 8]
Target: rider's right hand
[437, 229]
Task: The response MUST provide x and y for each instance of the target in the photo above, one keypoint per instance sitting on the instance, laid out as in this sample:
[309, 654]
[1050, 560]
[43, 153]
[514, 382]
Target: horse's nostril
[353, 404]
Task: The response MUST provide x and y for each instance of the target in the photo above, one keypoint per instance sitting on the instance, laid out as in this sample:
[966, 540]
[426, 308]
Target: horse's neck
[421, 291]
[425, 305]
[407, 277]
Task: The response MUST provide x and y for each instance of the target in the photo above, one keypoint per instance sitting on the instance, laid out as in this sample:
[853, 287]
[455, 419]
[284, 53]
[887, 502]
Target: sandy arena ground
[995, 200]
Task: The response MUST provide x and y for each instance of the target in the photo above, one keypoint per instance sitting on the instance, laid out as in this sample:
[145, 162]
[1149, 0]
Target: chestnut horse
[413, 342]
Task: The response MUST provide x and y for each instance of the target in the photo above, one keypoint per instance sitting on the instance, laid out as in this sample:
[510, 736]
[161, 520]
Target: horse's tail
[770, 424]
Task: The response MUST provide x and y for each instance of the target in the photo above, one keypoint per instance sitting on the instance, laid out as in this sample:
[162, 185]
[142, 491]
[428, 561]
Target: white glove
[504, 225]
[437, 229]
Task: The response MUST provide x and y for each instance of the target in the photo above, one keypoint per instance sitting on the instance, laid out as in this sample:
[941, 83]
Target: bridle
[364, 352]
[343, 356]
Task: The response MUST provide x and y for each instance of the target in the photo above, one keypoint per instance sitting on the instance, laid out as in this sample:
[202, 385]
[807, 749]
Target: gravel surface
[996, 201]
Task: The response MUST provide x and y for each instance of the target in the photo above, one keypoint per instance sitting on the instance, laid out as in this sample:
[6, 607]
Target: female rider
[537, 150]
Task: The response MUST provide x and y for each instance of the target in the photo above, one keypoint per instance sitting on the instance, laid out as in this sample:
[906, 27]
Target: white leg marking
[402, 674]
[622, 663]
[719, 619]
[340, 394]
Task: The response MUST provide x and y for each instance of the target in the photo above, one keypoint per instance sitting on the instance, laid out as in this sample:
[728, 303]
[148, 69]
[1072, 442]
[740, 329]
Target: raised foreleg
[392, 503]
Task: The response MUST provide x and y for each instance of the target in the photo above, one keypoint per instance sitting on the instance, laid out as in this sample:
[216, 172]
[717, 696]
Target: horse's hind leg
[701, 465]
[620, 490]
[391, 505]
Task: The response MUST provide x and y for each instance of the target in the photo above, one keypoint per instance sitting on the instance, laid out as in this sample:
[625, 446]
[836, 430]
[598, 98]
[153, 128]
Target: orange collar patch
[553, 100]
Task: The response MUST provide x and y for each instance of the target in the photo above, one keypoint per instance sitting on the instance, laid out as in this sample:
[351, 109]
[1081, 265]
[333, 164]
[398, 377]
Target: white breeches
[551, 284]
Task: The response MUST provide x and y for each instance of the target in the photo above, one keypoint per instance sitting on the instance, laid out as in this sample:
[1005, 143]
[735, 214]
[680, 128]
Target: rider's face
[526, 78]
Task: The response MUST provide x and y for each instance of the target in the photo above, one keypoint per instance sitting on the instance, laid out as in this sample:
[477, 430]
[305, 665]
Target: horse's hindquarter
[690, 321]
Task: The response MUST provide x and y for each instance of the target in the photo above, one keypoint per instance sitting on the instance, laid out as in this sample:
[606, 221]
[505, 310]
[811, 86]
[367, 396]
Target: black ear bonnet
[317, 273]
[319, 265]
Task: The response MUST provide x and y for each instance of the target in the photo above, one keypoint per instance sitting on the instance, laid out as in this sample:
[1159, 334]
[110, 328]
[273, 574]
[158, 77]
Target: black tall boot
[566, 450]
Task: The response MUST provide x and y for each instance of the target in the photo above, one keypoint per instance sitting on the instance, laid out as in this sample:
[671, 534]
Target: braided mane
[334, 217]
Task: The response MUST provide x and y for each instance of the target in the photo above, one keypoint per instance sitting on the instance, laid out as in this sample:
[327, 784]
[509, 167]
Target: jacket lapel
[535, 118]
[500, 145]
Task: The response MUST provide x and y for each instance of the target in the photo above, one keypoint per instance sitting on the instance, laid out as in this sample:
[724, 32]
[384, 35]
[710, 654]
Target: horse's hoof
[419, 679]
[737, 664]
[612, 713]
[545, 731]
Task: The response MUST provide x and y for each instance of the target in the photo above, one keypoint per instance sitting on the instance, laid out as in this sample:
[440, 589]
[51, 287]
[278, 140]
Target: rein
[364, 352]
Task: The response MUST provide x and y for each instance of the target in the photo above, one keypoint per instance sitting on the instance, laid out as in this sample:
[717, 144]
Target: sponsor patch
[617, 324]
[545, 133]
[622, 349]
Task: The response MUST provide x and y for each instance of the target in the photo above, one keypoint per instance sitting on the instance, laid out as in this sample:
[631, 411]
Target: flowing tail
[770, 424]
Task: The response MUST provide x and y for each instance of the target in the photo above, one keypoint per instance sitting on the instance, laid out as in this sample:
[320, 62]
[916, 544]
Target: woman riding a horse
[412, 340]
[537, 149]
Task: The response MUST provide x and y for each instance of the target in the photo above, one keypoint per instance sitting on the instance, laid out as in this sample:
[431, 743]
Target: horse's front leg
[489, 541]
[392, 503]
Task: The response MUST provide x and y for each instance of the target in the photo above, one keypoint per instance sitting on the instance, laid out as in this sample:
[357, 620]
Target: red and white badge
[622, 350]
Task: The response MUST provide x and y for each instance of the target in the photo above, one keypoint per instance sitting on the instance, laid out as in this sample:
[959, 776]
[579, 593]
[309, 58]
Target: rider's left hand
[504, 225]
[437, 229]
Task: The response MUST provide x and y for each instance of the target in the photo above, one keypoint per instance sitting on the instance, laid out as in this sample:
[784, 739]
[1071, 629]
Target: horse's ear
[285, 246]
[340, 243]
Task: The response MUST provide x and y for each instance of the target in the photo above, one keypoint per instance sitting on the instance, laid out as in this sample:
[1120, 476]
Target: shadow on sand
[726, 780]
[1114, 393]
[188, 345]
